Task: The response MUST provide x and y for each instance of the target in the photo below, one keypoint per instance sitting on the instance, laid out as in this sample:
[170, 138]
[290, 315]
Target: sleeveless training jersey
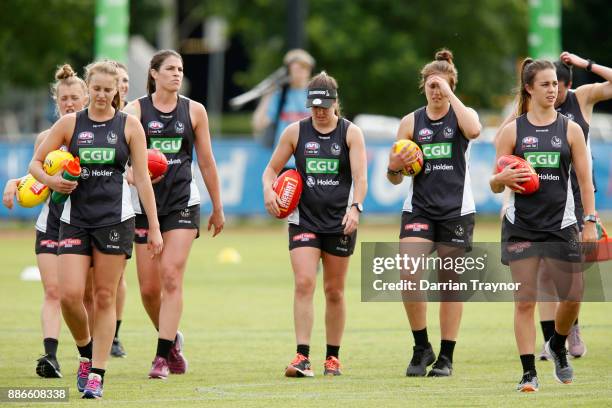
[551, 208]
[102, 197]
[172, 133]
[571, 108]
[443, 189]
[324, 165]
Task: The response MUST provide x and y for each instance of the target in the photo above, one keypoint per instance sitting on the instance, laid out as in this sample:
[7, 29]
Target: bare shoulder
[196, 108]
[406, 127]
[573, 129]
[354, 131]
[41, 136]
[508, 131]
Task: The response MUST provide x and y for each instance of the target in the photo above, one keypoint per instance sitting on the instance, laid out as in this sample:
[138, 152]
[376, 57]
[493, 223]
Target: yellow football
[31, 192]
[415, 167]
[54, 161]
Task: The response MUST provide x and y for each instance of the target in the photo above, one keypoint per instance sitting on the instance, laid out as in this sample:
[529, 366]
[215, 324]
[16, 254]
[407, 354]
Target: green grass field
[238, 328]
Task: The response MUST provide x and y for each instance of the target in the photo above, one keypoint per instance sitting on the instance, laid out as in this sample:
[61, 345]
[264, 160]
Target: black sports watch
[359, 206]
[590, 218]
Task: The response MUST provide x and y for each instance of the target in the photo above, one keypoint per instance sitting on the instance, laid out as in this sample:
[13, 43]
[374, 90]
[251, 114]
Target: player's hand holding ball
[407, 156]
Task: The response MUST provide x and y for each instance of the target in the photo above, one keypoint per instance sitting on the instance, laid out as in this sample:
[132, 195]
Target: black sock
[332, 351]
[163, 347]
[557, 342]
[86, 350]
[420, 337]
[98, 371]
[528, 362]
[303, 349]
[446, 349]
[117, 329]
[50, 346]
[548, 328]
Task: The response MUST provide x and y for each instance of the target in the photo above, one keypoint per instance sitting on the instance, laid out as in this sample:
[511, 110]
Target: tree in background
[376, 48]
[36, 36]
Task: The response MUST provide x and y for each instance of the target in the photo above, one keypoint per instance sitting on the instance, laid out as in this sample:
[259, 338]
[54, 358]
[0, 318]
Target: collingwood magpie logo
[179, 127]
[448, 132]
[556, 142]
[335, 149]
[185, 212]
[114, 236]
[111, 137]
[310, 181]
[459, 231]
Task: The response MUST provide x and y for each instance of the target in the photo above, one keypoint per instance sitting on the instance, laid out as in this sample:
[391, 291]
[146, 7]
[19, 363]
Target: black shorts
[335, 244]
[457, 232]
[113, 239]
[46, 243]
[519, 243]
[187, 218]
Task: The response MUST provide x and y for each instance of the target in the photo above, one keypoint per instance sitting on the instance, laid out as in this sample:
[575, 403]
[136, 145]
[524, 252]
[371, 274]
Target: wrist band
[589, 65]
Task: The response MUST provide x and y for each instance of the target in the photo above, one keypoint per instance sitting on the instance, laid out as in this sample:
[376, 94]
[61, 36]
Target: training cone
[229, 255]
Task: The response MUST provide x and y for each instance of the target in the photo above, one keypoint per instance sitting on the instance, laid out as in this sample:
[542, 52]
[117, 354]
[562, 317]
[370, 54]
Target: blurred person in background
[324, 225]
[117, 349]
[70, 95]
[286, 105]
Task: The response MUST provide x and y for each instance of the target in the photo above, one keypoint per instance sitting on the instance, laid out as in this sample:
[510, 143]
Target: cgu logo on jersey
[437, 151]
[155, 127]
[543, 159]
[167, 144]
[97, 155]
[425, 135]
[322, 166]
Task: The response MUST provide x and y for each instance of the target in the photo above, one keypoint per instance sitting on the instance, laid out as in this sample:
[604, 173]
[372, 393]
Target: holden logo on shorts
[310, 181]
[459, 231]
[335, 149]
[427, 168]
[556, 142]
[179, 127]
[344, 240]
[114, 236]
[185, 212]
[84, 173]
[111, 137]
